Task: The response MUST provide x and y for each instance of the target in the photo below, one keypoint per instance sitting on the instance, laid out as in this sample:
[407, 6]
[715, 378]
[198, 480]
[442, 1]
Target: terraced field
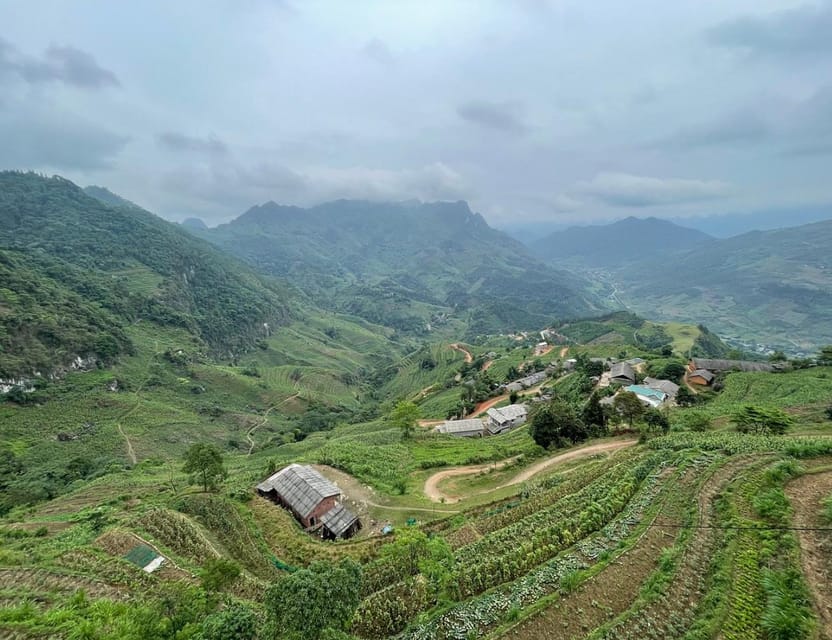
[684, 538]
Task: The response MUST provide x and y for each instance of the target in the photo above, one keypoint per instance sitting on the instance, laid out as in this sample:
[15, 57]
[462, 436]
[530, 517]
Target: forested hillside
[412, 266]
[76, 270]
[771, 287]
[611, 245]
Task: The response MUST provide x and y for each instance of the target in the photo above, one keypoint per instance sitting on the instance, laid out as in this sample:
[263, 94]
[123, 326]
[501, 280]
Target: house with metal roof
[716, 366]
[505, 418]
[339, 522]
[622, 373]
[668, 387]
[470, 428]
[303, 491]
[650, 397]
[701, 376]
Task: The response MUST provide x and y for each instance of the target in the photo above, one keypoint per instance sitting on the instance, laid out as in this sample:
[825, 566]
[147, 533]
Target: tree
[556, 423]
[304, 604]
[404, 416]
[205, 462]
[685, 397]
[237, 621]
[218, 573]
[628, 406]
[593, 415]
[673, 371]
[750, 419]
[656, 420]
[512, 397]
[825, 356]
[696, 421]
[829, 412]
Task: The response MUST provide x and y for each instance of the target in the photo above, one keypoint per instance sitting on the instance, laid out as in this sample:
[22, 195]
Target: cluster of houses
[527, 382]
[313, 500]
[653, 392]
[497, 420]
[702, 371]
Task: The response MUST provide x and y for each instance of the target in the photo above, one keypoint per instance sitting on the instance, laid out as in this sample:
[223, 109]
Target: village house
[622, 373]
[312, 499]
[670, 389]
[701, 377]
[650, 397]
[505, 418]
[718, 366]
[470, 428]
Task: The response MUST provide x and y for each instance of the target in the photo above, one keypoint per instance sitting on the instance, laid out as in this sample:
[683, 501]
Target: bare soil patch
[806, 495]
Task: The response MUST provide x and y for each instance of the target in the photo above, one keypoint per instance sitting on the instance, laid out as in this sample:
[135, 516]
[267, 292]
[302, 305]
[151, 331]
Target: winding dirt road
[458, 347]
[432, 491]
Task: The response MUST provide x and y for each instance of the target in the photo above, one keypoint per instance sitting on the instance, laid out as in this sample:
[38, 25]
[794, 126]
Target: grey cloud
[239, 186]
[805, 29]
[502, 116]
[66, 65]
[376, 49]
[736, 129]
[626, 190]
[181, 142]
[35, 140]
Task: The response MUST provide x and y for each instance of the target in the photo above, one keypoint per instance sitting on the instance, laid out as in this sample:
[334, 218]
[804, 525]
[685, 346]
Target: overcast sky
[531, 110]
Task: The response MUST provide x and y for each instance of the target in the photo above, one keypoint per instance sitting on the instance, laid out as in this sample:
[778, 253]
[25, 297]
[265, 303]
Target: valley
[595, 514]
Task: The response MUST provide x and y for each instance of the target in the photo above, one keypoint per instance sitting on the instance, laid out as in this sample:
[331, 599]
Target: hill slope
[406, 265]
[772, 286]
[76, 270]
[624, 240]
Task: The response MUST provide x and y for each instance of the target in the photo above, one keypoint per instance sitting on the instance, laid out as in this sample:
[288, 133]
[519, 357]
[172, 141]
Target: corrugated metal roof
[338, 519]
[511, 412]
[647, 392]
[622, 370]
[731, 365]
[669, 387]
[301, 487]
[704, 374]
[458, 426]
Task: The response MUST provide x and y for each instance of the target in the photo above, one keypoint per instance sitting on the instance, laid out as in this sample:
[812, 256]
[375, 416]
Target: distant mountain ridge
[771, 287]
[628, 239]
[409, 265]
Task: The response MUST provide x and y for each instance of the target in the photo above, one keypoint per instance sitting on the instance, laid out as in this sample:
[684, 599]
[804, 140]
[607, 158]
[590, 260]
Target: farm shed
[728, 365]
[701, 376]
[339, 522]
[505, 418]
[471, 428]
[622, 373]
[302, 490]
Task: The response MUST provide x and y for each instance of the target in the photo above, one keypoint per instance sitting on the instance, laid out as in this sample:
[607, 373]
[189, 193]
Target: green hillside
[77, 270]
[617, 243]
[775, 286]
[771, 287]
[414, 267]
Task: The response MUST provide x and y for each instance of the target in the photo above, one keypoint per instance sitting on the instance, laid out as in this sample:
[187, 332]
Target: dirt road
[432, 491]
[564, 351]
[458, 347]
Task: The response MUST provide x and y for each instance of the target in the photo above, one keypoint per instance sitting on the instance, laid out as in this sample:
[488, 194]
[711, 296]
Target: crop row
[480, 613]
[736, 443]
[518, 549]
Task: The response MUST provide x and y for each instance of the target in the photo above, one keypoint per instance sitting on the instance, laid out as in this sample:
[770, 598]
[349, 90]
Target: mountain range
[770, 287]
[411, 266]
